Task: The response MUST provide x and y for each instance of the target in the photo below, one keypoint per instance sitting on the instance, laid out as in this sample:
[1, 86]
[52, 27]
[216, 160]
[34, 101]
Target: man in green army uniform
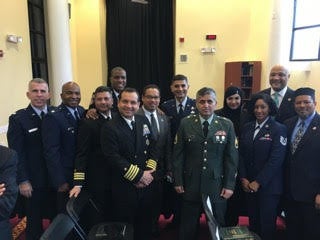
[205, 160]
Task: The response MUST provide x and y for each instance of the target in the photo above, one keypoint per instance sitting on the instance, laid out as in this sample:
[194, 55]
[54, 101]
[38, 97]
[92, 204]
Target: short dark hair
[115, 69]
[267, 99]
[179, 77]
[148, 87]
[102, 89]
[206, 91]
[129, 90]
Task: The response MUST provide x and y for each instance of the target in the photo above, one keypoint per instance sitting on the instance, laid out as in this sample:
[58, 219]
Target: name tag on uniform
[32, 130]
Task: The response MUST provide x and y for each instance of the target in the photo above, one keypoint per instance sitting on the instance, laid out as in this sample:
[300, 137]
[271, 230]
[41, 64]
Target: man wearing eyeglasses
[160, 126]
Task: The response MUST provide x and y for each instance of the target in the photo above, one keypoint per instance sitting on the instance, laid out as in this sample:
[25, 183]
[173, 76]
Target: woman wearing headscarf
[231, 109]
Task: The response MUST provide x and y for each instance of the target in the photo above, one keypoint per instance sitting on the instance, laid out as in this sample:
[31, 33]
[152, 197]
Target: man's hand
[75, 191]
[317, 202]
[245, 184]
[92, 113]
[254, 186]
[179, 189]
[147, 177]
[64, 187]
[2, 188]
[226, 193]
[25, 189]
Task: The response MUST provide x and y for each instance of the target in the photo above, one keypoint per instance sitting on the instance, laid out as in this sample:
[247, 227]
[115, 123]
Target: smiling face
[71, 95]
[233, 101]
[118, 80]
[261, 110]
[278, 77]
[103, 102]
[38, 93]
[128, 104]
[151, 99]
[304, 106]
[179, 88]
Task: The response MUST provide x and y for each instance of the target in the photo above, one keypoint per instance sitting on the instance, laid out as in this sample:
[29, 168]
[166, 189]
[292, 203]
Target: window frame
[293, 34]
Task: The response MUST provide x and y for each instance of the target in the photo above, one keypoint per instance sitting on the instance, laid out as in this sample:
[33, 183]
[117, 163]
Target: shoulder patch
[283, 140]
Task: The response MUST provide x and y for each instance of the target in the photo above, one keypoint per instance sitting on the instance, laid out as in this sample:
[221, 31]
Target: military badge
[283, 141]
[146, 130]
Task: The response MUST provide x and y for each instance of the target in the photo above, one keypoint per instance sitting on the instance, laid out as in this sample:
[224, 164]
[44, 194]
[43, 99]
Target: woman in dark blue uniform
[262, 152]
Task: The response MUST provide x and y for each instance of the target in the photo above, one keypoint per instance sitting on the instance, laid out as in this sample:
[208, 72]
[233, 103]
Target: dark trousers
[136, 209]
[262, 212]
[190, 214]
[302, 221]
[5, 230]
[38, 207]
[62, 199]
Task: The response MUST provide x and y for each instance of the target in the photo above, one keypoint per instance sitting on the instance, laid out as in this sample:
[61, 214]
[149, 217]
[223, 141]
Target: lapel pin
[314, 128]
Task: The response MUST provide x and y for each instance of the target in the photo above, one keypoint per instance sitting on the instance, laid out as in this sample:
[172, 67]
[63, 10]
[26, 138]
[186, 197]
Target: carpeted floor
[166, 232]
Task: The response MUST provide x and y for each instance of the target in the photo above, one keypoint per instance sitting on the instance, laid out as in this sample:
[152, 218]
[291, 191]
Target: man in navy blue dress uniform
[129, 146]
[24, 136]
[59, 133]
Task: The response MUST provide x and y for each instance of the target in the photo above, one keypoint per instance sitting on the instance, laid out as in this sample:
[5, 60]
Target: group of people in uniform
[125, 149]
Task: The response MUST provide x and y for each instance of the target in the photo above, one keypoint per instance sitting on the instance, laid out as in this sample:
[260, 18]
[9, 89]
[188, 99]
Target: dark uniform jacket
[262, 158]
[170, 109]
[8, 173]
[24, 136]
[129, 153]
[59, 133]
[163, 144]
[286, 109]
[91, 166]
[205, 165]
[303, 167]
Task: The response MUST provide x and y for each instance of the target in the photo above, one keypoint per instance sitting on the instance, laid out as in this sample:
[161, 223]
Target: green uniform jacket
[205, 165]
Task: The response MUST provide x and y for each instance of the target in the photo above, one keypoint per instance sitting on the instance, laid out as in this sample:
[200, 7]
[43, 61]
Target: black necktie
[205, 128]
[133, 126]
[256, 130]
[154, 126]
[42, 114]
[76, 115]
[180, 112]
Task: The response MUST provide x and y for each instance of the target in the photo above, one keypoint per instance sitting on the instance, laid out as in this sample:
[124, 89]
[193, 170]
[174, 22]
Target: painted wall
[246, 30]
[87, 27]
[15, 66]
[239, 38]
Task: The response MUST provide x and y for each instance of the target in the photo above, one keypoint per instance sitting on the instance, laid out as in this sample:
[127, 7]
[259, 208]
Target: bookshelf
[244, 74]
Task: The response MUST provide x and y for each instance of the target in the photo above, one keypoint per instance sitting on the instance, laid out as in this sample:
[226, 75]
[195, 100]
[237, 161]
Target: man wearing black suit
[302, 183]
[161, 129]
[281, 93]
[24, 136]
[8, 189]
[128, 144]
[118, 81]
[176, 109]
[59, 134]
[91, 168]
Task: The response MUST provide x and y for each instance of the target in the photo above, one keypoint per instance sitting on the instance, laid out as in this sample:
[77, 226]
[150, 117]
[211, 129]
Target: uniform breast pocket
[190, 138]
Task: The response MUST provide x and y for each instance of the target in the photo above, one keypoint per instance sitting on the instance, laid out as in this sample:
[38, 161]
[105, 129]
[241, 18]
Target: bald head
[278, 78]
[70, 94]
